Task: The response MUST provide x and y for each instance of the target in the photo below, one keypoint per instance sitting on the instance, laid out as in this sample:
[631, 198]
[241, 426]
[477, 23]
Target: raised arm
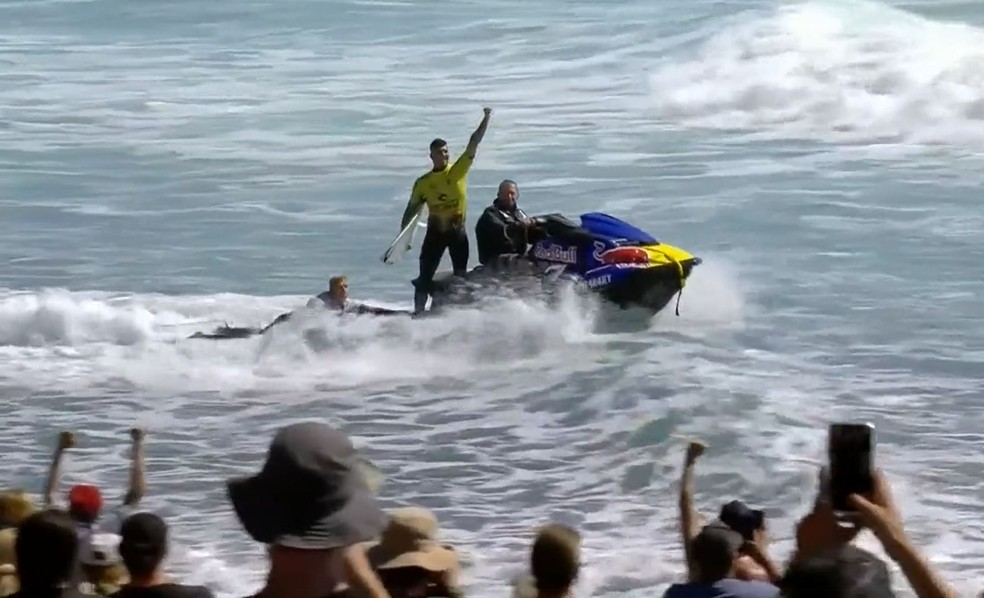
[478, 135]
[138, 476]
[689, 518]
[882, 517]
[66, 440]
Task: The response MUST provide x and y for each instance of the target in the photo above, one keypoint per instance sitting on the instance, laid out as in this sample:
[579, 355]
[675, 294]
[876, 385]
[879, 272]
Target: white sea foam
[846, 72]
[199, 149]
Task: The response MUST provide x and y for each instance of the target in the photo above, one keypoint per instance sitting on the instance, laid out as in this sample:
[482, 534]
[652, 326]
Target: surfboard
[401, 244]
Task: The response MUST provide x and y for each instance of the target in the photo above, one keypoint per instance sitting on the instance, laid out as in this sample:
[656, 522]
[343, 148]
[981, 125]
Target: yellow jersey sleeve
[414, 204]
[416, 194]
[461, 166]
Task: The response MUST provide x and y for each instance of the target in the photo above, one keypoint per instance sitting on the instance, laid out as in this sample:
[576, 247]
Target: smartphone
[850, 454]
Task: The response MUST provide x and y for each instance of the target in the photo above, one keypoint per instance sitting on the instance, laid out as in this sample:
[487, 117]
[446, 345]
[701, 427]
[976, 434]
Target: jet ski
[608, 256]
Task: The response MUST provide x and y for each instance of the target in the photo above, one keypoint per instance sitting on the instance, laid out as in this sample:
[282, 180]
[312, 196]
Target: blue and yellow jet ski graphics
[622, 263]
[609, 256]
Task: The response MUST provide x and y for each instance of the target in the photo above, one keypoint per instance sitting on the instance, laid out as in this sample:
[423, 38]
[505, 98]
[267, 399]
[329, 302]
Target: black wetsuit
[352, 307]
[322, 299]
[454, 239]
[500, 231]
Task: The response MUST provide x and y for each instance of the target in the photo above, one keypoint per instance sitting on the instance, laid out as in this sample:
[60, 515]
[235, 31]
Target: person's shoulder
[166, 590]
[112, 520]
[725, 588]
[741, 588]
[182, 591]
[197, 592]
[681, 590]
[462, 164]
[423, 178]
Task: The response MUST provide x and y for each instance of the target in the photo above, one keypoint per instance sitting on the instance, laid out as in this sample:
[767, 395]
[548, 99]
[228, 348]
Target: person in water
[334, 299]
[503, 227]
[444, 191]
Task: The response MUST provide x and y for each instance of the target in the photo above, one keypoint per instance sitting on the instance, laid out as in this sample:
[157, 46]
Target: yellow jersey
[445, 193]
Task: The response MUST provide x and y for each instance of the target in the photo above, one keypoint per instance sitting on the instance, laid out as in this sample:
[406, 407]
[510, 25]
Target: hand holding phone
[850, 453]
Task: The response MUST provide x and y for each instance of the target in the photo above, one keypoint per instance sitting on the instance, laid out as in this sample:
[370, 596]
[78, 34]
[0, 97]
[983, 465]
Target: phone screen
[850, 452]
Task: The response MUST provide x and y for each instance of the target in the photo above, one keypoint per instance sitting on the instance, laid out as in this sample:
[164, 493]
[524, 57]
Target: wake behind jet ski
[621, 263]
[334, 299]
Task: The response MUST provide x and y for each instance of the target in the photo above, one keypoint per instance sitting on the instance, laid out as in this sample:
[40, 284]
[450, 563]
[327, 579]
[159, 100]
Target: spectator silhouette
[144, 546]
[408, 558]
[312, 505]
[47, 551]
[555, 564]
[824, 557]
[101, 564]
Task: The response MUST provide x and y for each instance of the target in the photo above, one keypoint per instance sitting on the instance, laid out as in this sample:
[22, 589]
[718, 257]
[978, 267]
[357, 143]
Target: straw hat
[410, 540]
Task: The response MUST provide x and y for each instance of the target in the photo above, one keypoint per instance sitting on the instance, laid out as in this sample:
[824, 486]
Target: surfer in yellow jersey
[444, 190]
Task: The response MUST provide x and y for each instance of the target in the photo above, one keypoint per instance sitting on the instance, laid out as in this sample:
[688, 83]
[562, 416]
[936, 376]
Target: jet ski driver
[503, 228]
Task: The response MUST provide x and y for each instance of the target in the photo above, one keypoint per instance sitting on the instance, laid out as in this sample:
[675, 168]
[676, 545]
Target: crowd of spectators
[313, 505]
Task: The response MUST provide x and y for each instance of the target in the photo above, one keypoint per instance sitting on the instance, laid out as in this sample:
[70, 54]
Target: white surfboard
[401, 244]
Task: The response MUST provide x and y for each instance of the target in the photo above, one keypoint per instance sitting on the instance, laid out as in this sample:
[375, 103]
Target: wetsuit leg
[431, 252]
[458, 248]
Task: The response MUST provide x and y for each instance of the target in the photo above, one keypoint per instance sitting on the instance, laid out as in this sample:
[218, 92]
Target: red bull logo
[556, 253]
[624, 255]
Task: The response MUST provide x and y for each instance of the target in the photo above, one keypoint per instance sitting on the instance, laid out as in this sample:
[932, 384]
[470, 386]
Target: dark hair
[437, 144]
[47, 546]
[143, 544]
[845, 572]
[556, 558]
[713, 556]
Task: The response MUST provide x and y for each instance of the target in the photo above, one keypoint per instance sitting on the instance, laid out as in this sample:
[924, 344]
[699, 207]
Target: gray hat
[312, 492]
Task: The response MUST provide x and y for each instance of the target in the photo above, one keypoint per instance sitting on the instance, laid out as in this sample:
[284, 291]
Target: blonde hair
[335, 281]
[15, 507]
[105, 580]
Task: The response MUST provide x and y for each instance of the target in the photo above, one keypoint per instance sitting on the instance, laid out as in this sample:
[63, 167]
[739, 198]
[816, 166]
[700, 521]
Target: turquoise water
[169, 167]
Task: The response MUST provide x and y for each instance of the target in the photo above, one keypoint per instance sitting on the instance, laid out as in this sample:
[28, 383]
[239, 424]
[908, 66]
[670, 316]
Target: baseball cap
[101, 550]
[144, 532]
[741, 518]
[85, 499]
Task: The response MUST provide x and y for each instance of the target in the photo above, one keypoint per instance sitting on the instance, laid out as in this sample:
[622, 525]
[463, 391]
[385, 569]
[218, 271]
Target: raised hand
[66, 440]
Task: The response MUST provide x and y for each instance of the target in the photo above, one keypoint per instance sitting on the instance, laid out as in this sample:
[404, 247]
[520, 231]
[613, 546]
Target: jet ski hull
[620, 263]
[648, 288]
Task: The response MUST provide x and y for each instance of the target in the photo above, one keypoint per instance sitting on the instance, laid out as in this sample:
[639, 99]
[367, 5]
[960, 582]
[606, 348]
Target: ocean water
[168, 167]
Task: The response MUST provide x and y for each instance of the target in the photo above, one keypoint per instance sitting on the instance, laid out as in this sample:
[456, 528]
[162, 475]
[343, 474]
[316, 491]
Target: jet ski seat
[562, 229]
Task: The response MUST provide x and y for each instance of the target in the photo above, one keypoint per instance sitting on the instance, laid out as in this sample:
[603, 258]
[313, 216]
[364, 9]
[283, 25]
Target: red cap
[85, 499]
